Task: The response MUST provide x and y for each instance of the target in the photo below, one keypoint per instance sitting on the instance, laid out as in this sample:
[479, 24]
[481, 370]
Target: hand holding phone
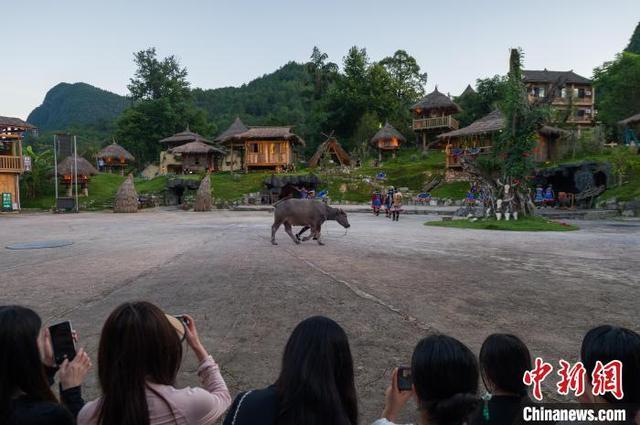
[62, 342]
[405, 383]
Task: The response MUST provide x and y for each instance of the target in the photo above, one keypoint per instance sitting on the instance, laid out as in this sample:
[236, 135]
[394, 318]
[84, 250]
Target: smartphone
[404, 378]
[183, 319]
[62, 341]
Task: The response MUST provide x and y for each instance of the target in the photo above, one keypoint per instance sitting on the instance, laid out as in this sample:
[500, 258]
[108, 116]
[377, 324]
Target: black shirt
[259, 407]
[500, 410]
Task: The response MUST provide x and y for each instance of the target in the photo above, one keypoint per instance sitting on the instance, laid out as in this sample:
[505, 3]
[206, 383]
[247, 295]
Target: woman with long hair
[139, 356]
[603, 345]
[315, 386]
[445, 384]
[27, 369]
[504, 358]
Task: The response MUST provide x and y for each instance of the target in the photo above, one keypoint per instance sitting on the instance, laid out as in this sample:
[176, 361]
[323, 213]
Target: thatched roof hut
[12, 122]
[632, 120]
[115, 153]
[67, 166]
[268, 133]
[183, 138]
[196, 147]
[436, 101]
[488, 124]
[469, 90]
[234, 129]
[552, 77]
[386, 133]
[332, 147]
[126, 200]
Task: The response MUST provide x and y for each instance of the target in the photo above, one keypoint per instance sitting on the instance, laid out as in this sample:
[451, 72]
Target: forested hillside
[79, 104]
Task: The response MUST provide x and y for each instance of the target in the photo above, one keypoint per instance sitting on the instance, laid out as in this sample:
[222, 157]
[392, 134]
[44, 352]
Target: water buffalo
[305, 212]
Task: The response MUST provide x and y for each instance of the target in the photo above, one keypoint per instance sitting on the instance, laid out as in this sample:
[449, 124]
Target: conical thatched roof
[203, 196]
[66, 167]
[126, 200]
[488, 124]
[115, 152]
[184, 137]
[330, 145]
[196, 148]
[267, 133]
[468, 90]
[387, 132]
[235, 128]
[632, 120]
[436, 100]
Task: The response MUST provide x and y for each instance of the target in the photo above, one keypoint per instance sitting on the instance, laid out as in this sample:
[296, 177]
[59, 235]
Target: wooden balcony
[11, 164]
[266, 159]
[446, 122]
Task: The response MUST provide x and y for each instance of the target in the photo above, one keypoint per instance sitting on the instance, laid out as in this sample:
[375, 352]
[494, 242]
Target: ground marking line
[362, 294]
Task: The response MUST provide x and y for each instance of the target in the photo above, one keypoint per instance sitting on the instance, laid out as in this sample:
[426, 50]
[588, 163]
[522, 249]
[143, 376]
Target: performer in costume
[376, 203]
[397, 205]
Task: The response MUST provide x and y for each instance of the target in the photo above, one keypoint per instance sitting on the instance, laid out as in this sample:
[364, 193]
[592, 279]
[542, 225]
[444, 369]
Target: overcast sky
[230, 42]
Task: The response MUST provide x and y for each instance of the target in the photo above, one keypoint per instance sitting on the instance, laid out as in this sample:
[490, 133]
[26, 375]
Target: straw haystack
[126, 199]
[203, 196]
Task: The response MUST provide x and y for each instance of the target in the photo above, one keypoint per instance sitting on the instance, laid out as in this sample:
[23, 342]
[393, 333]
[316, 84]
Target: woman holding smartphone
[139, 356]
[27, 369]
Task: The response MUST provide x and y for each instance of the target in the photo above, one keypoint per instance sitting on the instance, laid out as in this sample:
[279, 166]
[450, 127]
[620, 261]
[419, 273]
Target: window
[563, 92]
[254, 148]
[581, 93]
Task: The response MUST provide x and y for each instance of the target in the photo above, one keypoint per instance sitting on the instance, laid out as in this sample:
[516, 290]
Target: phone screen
[62, 341]
[404, 379]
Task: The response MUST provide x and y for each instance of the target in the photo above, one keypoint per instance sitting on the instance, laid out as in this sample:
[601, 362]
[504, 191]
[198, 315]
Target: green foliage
[408, 82]
[475, 105]
[525, 224]
[322, 73]
[617, 86]
[622, 163]
[163, 107]
[79, 104]
[37, 182]
[634, 43]
[512, 147]
[157, 79]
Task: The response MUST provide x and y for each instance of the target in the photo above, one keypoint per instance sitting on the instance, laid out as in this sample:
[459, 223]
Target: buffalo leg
[287, 228]
[274, 229]
[299, 234]
[316, 233]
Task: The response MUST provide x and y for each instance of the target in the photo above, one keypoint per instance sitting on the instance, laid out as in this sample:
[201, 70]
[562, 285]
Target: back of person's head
[316, 383]
[445, 379]
[21, 369]
[504, 359]
[606, 343]
[138, 344]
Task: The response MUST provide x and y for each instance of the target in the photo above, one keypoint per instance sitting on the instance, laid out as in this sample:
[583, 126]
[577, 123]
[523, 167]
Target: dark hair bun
[454, 410]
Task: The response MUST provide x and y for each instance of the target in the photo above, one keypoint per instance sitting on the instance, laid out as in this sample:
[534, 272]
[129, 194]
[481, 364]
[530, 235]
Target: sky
[229, 43]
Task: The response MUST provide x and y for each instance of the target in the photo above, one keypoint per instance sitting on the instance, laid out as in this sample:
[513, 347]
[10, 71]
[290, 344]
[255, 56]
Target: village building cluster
[242, 148]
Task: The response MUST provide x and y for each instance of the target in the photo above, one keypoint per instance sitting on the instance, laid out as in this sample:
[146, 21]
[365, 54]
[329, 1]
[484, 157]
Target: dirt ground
[388, 284]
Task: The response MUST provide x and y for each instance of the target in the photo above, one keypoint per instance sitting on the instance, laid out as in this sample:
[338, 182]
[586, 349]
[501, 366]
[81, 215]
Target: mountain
[283, 97]
[77, 105]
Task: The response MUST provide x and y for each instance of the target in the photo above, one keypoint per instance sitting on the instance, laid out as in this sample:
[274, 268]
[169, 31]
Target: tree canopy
[618, 88]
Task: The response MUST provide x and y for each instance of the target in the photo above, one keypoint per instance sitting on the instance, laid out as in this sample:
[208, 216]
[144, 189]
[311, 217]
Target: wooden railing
[436, 122]
[11, 164]
[266, 158]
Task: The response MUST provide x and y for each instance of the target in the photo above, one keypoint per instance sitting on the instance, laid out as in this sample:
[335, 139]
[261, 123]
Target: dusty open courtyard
[387, 283]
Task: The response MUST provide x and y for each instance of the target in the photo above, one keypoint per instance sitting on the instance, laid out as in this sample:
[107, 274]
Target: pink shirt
[191, 406]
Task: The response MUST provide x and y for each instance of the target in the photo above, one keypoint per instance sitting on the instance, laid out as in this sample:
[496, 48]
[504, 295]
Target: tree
[163, 107]
[155, 79]
[475, 105]
[322, 73]
[617, 86]
[407, 80]
[502, 173]
[634, 43]
[37, 182]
